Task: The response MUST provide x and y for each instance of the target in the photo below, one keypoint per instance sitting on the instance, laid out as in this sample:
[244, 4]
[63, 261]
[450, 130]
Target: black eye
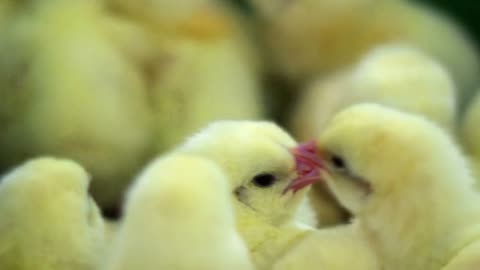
[338, 162]
[264, 180]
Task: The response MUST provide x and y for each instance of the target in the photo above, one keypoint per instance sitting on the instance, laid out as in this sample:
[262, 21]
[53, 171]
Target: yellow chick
[179, 216]
[470, 132]
[320, 100]
[199, 48]
[65, 89]
[200, 63]
[395, 75]
[169, 15]
[308, 38]
[182, 95]
[259, 164]
[405, 78]
[407, 184]
[49, 221]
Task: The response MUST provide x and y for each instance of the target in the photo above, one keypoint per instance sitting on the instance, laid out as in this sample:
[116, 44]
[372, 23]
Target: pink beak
[308, 166]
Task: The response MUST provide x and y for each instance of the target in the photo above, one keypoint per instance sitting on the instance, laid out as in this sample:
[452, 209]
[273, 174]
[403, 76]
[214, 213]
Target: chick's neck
[421, 229]
[265, 241]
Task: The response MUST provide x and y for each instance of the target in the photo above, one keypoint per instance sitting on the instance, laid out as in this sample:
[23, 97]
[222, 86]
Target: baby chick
[401, 76]
[470, 133]
[257, 158]
[406, 182]
[169, 15]
[199, 48]
[308, 38]
[395, 75]
[201, 62]
[179, 216]
[49, 221]
[66, 90]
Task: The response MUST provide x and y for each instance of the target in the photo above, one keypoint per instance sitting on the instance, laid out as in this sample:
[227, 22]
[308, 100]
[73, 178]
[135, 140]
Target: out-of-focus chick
[164, 14]
[49, 221]
[309, 38]
[405, 78]
[257, 159]
[321, 100]
[200, 47]
[198, 73]
[395, 75]
[470, 134]
[200, 63]
[407, 184]
[65, 89]
[179, 216]
[260, 160]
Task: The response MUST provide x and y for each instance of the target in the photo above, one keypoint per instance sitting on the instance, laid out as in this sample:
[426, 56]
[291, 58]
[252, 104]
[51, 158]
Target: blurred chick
[310, 38]
[395, 75]
[256, 157]
[407, 184]
[321, 100]
[470, 134]
[202, 50]
[179, 216]
[210, 58]
[65, 89]
[49, 221]
[198, 74]
[165, 14]
[405, 78]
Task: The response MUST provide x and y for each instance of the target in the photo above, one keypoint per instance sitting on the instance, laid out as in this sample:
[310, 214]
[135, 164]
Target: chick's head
[258, 160]
[57, 188]
[370, 152]
[46, 200]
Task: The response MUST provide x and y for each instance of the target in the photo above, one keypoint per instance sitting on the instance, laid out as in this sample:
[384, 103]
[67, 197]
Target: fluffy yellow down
[470, 134]
[267, 220]
[408, 185]
[395, 75]
[179, 216]
[309, 38]
[65, 89]
[49, 221]
[201, 52]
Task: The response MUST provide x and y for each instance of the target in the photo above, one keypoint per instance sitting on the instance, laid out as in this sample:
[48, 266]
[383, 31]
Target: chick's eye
[264, 180]
[338, 162]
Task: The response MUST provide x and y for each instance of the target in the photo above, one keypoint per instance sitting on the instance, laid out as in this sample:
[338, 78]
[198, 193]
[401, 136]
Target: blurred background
[112, 84]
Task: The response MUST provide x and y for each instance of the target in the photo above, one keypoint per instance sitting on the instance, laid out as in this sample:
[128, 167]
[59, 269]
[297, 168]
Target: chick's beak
[308, 166]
